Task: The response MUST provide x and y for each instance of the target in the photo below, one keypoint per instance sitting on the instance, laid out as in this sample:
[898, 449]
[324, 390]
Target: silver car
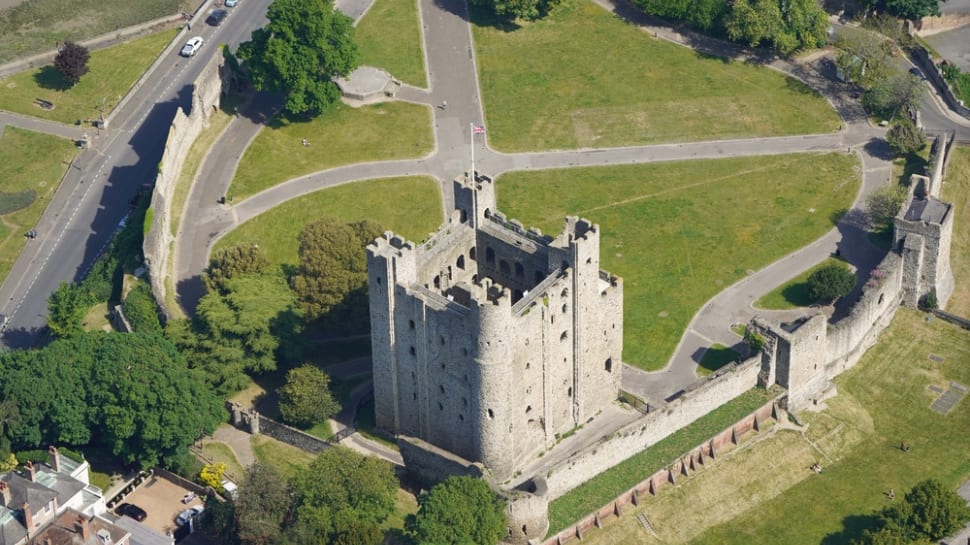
[192, 46]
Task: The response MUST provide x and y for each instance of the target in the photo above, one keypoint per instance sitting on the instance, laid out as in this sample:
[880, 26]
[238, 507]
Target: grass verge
[678, 234]
[289, 460]
[389, 37]
[582, 77]
[956, 190]
[31, 167]
[410, 206]
[604, 487]
[342, 136]
[112, 73]
[794, 293]
[217, 451]
[715, 357]
[40, 25]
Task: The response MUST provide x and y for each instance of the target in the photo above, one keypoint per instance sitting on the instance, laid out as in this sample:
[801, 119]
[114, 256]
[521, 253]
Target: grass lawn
[410, 206]
[764, 491]
[715, 357]
[341, 136]
[218, 451]
[29, 162]
[112, 72]
[289, 460]
[581, 77]
[98, 318]
[794, 293]
[39, 25]
[389, 37]
[680, 232]
[604, 487]
[956, 190]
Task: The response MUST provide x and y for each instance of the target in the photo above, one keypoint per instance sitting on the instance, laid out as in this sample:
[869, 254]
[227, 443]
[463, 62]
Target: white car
[192, 46]
[231, 3]
[185, 516]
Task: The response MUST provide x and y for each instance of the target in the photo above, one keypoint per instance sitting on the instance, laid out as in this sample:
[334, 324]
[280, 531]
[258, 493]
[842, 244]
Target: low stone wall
[185, 128]
[952, 318]
[292, 436]
[692, 461]
[646, 431]
[429, 465]
[924, 60]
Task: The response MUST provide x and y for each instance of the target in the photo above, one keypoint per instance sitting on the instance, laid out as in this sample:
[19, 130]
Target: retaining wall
[184, 130]
[292, 436]
[692, 461]
[699, 400]
[924, 60]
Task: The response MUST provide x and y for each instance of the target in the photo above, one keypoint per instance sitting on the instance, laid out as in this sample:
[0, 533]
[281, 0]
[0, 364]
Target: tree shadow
[49, 78]
[482, 17]
[717, 356]
[852, 528]
[879, 148]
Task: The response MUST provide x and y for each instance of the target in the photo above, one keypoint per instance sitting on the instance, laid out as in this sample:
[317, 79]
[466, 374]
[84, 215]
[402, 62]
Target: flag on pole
[478, 130]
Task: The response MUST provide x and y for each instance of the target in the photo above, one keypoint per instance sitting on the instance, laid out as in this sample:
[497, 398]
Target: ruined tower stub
[922, 234]
[489, 339]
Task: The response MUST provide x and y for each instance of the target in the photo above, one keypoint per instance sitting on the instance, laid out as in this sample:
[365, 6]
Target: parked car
[231, 3]
[216, 17]
[192, 46]
[189, 514]
[131, 510]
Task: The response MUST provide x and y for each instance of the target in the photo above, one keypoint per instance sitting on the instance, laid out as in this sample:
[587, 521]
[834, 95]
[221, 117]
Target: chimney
[4, 494]
[28, 519]
[54, 458]
[83, 527]
[31, 472]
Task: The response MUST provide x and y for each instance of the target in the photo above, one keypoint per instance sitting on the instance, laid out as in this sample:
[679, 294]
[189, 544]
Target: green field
[112, 72]
[764, 493]
[341, 136]
[582, 77]
[287, 459]
[410, 206]
[35, 26]
[29, 161]
[680, 232]
[794, 293]
[956, 190]
[389, 37]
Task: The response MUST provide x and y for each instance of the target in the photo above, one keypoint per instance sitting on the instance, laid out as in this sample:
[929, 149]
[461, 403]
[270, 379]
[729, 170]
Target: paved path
[36, 124]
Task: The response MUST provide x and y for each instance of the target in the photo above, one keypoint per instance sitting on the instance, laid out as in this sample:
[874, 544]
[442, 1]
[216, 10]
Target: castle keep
[489, 340]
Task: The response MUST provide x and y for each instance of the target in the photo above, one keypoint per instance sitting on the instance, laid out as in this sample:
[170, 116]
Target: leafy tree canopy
[332, 279]
[132, 393]
[830, 282]
[905, 137]
[883, 204]
[306, 44]
[927, 513]
[305, 399]
[458, 511]
[227, 263]
[908, 9]
[72, 61]
[263, 506]
[892, 96]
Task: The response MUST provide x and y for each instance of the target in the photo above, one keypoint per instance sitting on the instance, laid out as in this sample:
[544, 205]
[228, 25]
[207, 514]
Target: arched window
[464, 216]
[471, 253]
[564, 336]
[608, 365]
[461, 262]
[437, 282]
[488, 213]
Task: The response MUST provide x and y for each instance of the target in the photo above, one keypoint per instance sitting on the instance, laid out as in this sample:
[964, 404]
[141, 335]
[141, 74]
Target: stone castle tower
[922, 234]
[489, 340]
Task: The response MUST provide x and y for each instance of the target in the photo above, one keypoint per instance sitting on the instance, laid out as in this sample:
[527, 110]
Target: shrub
[830, 282]
[141, 310]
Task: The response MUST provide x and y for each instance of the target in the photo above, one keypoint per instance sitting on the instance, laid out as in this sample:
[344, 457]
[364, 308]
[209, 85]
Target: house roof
[11, 529]
[26, 491]
[66, 530]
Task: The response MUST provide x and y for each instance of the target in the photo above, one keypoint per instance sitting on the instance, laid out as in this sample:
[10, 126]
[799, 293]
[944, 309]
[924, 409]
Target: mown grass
[582, 77]
[764, 493]
[794, 293]
[28, 161]
[287, 459]
[604, 487]
[341, 136]
[389, 37]
[956, 190]
[35, 26]
[680, 232]
[410, 206]
[218, 451]
[715, 357]
[112, 72]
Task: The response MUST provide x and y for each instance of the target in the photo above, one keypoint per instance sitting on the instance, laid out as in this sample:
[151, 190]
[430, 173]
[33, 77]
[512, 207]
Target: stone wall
[292, 436]
[690, 462]
[924, 60]
[702, 398]
[428, 465]
[185, 128]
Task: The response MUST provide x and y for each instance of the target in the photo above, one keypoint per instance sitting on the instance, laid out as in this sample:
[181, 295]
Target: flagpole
[471, 132]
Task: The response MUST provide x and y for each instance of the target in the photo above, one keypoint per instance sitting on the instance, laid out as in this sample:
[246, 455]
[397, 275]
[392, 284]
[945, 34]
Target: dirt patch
[4, 4]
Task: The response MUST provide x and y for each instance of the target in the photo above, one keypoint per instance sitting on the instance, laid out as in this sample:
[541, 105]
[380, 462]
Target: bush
[830, 282]
[140, 309]
[905, 137]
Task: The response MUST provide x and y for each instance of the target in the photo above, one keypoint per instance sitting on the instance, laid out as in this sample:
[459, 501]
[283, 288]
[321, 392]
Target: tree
[883, 204]
[211, 474]
[890, 97]
[912, 9]
[9, 421]
[263, 507]
[458, 511]
[231, 262]
[332, 279]
[830, 282]
[905, 137]
[528, 10]
[66, 308]
[934, 510]
[306, 44]
[72, 61]
[305, 399]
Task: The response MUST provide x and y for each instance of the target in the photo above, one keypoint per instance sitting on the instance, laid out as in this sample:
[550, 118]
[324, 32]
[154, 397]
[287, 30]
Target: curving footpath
[452, 73]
